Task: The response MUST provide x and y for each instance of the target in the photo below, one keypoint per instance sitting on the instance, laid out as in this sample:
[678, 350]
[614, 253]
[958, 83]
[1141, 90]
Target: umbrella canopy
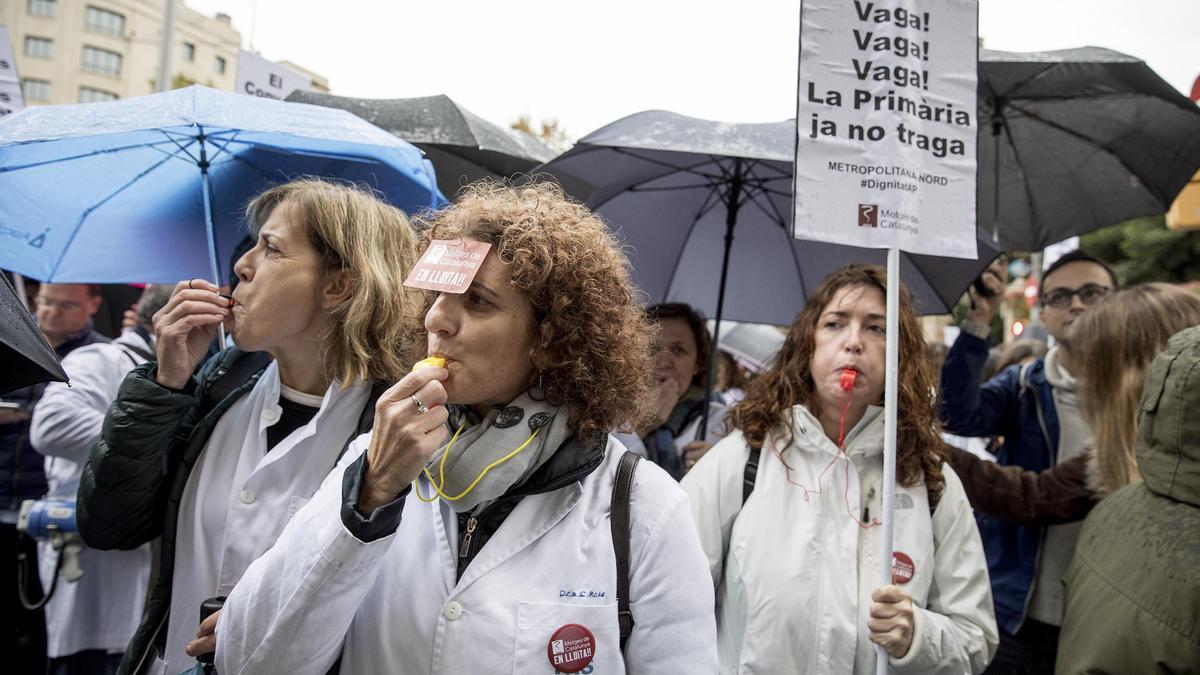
[27, 357]
[666, 182]
[153, 189]
[462, 145]
[1073, 140]
[752, 344]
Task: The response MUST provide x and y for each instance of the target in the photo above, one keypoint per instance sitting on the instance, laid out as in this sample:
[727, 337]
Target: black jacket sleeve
[124, 486]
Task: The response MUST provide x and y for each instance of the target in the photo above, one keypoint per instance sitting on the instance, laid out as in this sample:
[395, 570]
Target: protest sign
[11, 99]
[886, 123]
[257, 76]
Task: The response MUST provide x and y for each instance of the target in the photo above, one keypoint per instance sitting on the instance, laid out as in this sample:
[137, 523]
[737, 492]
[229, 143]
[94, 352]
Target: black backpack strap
[750, 474]
[620, 536]
[144, 353]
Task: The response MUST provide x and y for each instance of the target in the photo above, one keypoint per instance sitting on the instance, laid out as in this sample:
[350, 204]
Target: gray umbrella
[665, 183]
[1072, 140]
[706, 208]
[462, 145]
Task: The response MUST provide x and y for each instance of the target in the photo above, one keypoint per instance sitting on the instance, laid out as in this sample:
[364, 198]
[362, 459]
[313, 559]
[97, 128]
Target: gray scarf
[500, 433]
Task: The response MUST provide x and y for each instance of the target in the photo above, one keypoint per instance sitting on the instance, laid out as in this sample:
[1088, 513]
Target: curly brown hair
[594, 341]
[788, 381]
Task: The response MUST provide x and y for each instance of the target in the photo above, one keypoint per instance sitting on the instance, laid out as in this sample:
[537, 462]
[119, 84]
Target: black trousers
[23, 638]
[1030, 652]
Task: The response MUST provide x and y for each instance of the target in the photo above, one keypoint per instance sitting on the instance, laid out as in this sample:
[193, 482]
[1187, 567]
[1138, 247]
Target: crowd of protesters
[533, 476]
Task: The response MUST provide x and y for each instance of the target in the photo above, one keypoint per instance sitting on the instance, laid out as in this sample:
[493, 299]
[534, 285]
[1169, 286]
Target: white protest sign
[11, 99]
[886, 122]
[257, 76]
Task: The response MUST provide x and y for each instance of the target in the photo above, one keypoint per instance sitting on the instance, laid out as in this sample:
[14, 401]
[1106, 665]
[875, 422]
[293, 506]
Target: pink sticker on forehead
[448, 265]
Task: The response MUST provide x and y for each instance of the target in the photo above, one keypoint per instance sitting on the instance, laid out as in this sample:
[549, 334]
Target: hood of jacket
[1168, 439]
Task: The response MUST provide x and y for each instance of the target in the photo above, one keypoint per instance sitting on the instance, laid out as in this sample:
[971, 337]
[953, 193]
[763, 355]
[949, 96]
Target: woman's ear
[336, 289]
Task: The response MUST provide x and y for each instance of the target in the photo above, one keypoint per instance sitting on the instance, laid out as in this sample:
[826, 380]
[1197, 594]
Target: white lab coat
[794, 570]
[239, 496]
[102, 609]
[397, 607]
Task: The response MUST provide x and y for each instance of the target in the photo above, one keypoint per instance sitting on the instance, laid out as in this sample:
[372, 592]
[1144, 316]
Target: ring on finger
[421, 409]
[190, 284]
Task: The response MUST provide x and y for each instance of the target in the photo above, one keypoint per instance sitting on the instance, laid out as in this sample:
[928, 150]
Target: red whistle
[848, 377]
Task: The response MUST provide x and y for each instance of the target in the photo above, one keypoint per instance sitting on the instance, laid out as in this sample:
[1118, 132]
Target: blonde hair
[1113, 344]
[371, 335]
[594, 338]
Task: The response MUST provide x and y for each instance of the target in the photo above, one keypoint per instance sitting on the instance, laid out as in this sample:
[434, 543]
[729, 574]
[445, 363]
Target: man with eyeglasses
[1035, 408]
[64, 314]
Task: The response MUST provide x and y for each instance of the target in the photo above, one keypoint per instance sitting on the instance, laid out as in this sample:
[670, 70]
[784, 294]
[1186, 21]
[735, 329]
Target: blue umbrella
[153, 189]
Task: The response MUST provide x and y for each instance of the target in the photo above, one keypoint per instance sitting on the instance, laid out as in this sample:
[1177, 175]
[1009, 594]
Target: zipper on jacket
[464, 549]
[141, 663]
[867, 506]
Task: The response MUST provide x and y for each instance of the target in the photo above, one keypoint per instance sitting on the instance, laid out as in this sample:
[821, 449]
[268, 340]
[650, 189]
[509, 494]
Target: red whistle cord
[847, 384]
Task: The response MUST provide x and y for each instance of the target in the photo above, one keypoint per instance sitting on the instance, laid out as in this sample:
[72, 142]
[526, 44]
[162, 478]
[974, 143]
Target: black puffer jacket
[133, 483]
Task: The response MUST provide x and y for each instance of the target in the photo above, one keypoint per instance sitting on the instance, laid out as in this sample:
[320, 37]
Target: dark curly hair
[593, 337]
[789, 381]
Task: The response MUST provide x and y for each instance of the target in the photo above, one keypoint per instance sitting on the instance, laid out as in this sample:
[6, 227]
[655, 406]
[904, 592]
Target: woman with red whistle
[788, 507]
[475, 529]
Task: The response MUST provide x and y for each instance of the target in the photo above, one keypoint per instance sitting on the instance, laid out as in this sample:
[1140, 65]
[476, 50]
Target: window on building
[39, 47]
[35, 90]
[99, 20]
[101, 61]
[42, 7]
[189, 52]
[90, 95]
[221, 65]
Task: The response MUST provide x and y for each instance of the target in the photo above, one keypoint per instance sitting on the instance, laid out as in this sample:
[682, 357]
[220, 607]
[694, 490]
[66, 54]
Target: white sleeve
[292, 609]
[67, 419]
[956, 633]
[675, 629]
[714, 490]
[631, 441]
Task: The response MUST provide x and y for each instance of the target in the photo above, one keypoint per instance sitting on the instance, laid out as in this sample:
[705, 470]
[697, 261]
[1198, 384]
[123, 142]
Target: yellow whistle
[430, 361]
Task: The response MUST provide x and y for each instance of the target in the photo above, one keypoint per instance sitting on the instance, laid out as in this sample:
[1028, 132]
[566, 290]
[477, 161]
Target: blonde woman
[1114, 344]
[214, 464]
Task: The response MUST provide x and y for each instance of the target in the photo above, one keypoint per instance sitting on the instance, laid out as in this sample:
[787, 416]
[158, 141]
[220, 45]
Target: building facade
[75, 51]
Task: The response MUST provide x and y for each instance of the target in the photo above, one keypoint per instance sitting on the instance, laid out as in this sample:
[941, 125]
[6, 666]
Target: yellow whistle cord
[442, 470]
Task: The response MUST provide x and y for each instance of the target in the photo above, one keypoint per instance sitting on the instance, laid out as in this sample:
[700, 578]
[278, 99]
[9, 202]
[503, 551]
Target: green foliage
[1143, 249]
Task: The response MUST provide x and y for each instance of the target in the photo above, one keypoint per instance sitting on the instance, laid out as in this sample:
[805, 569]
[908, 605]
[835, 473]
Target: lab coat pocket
[579, 638]
[295, 505]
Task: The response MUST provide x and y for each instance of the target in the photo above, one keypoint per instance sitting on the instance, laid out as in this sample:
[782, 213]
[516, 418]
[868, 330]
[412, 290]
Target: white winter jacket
[395, 604]
[794, 567]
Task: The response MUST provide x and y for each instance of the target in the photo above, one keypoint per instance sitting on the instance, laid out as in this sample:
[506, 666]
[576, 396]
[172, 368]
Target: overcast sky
[589, 63]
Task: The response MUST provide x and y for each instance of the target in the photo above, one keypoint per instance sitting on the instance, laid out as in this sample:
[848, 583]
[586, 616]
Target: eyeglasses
[64, 305]
[1089, 294]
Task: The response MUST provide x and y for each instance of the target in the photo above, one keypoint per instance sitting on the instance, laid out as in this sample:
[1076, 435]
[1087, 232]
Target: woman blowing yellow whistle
[430, 361]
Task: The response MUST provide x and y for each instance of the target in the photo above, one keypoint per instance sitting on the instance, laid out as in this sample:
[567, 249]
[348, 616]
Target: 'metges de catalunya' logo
[868, 215]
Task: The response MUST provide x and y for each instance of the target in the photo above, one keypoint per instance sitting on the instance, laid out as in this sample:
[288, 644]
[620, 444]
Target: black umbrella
[27, 357]
[1073, 140]
[462, 145]
[706, 208]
